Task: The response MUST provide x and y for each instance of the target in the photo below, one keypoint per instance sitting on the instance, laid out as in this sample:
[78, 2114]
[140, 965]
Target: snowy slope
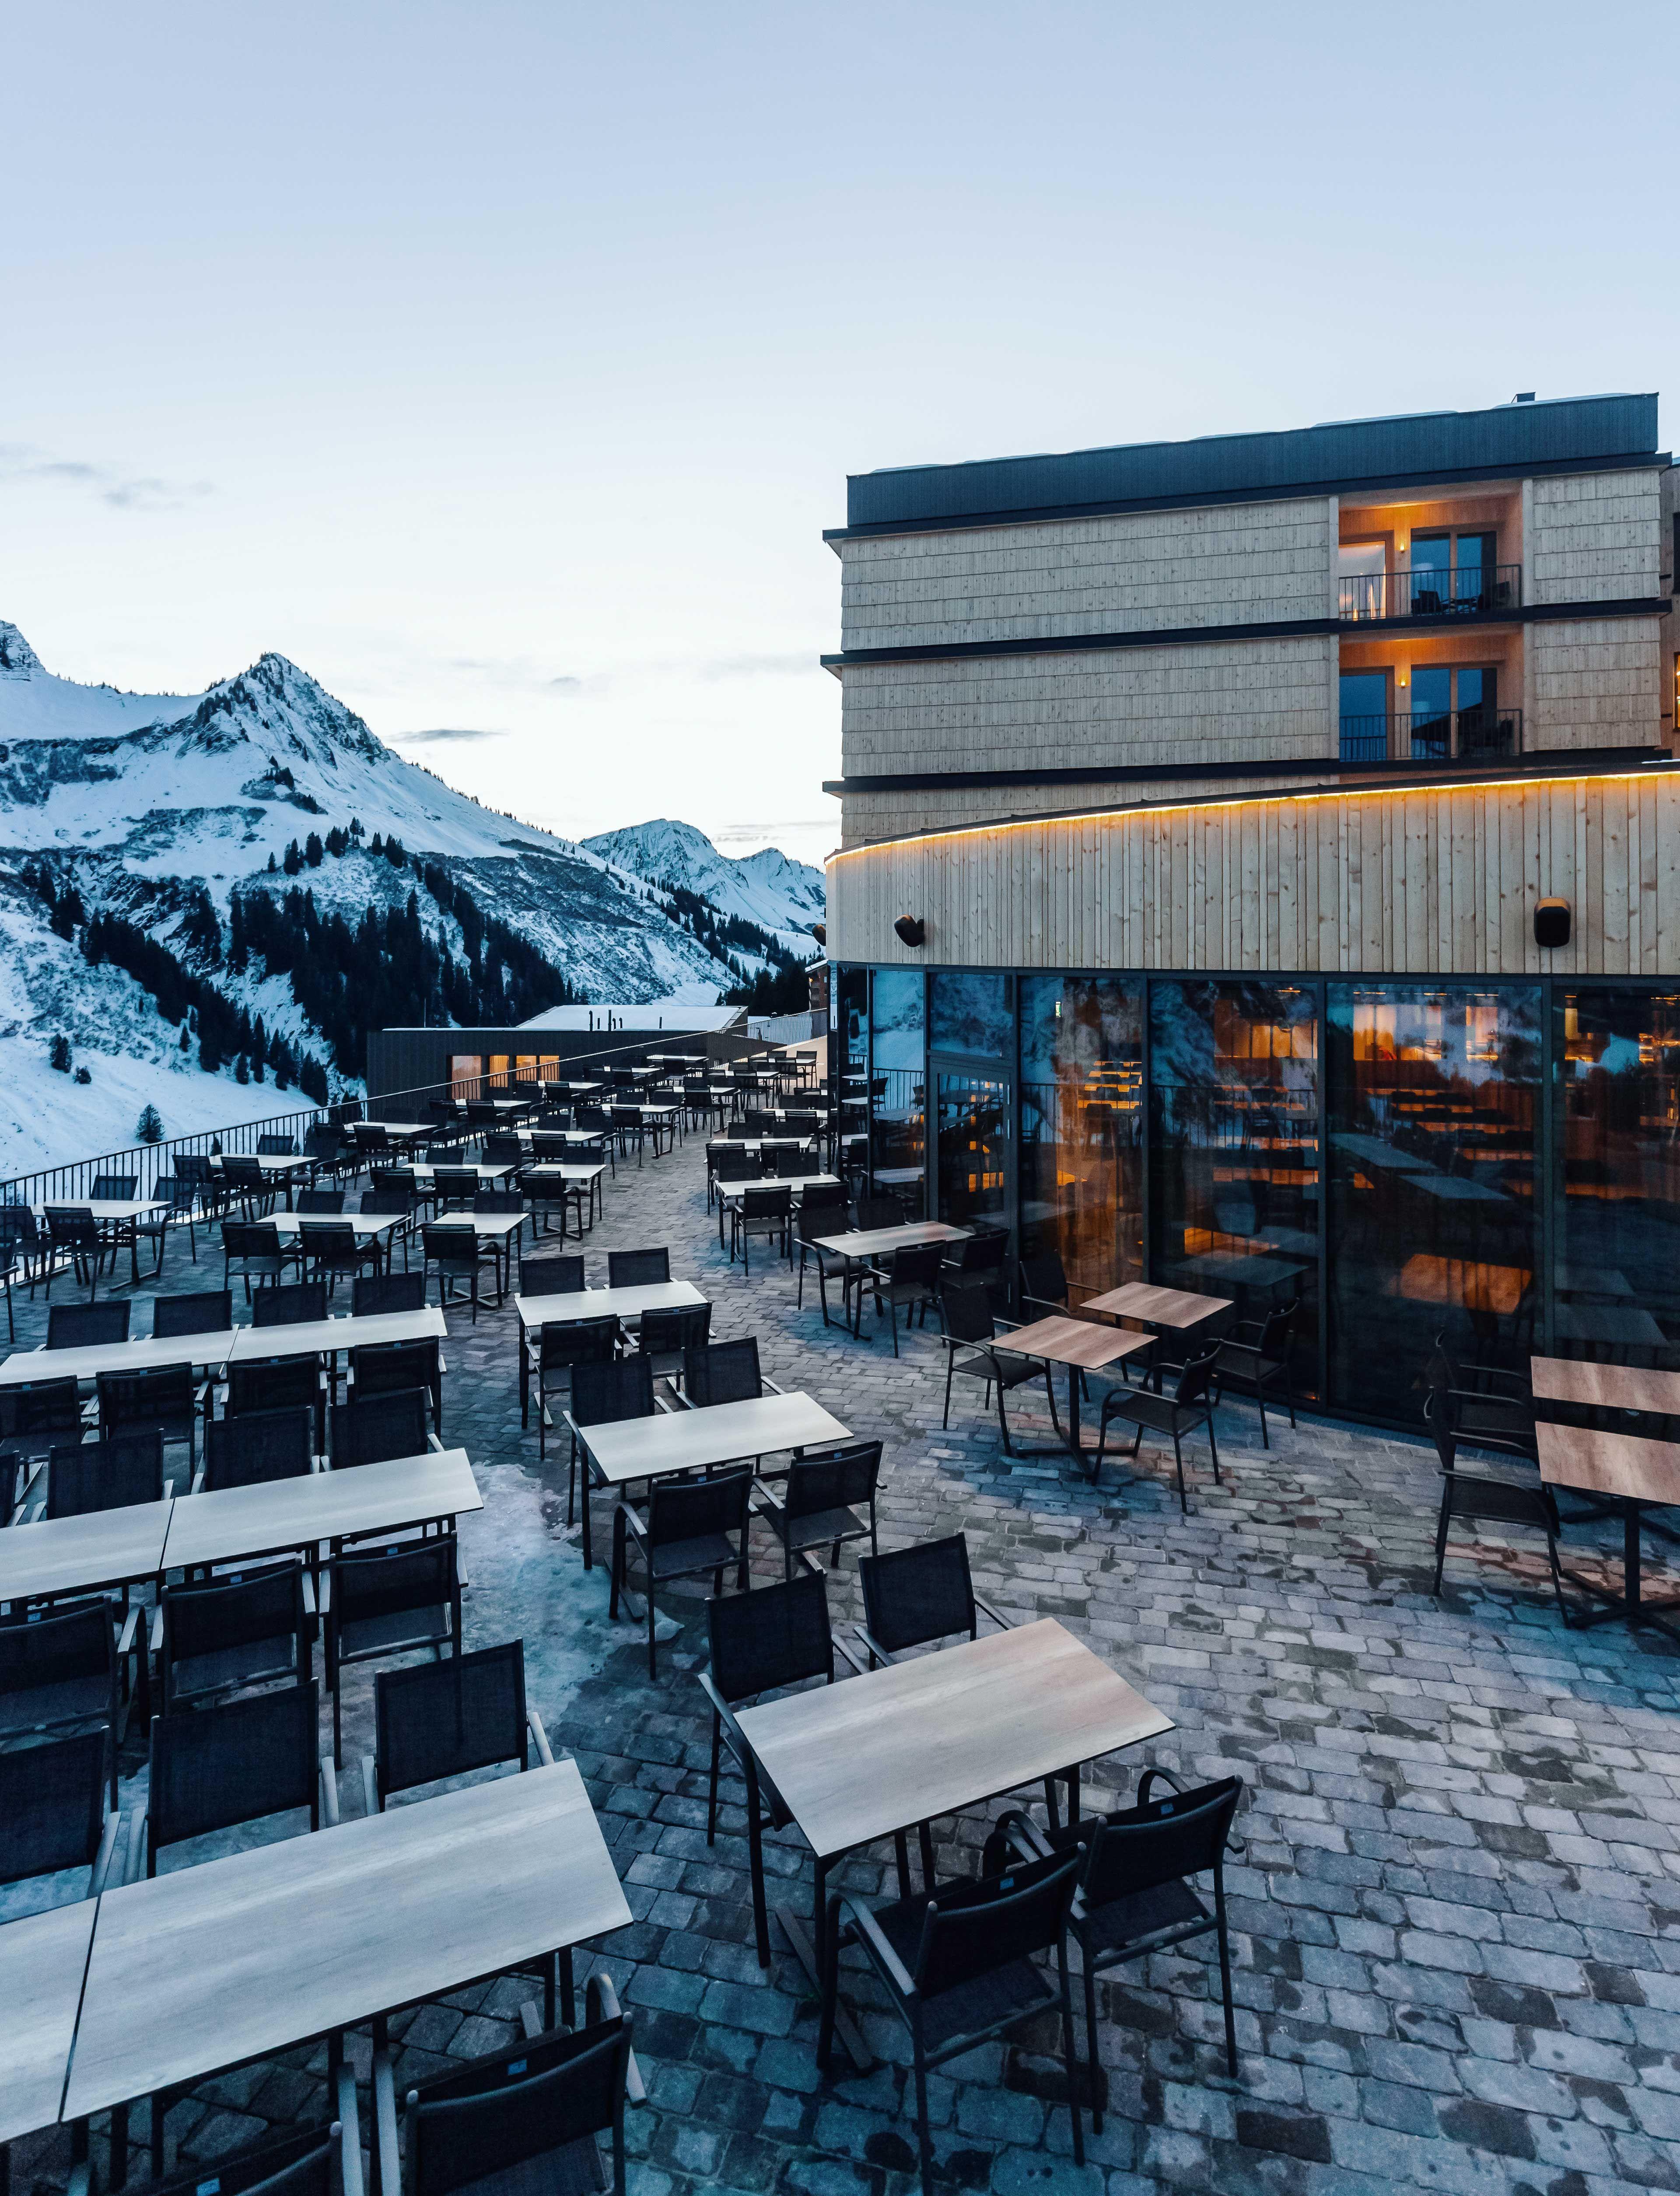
[781, 896]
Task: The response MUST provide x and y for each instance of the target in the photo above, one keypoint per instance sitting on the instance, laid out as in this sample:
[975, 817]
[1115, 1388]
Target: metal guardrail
[1480, 735]
[1471, 591]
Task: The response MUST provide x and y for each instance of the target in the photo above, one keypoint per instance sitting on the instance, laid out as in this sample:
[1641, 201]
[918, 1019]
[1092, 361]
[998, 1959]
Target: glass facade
[1494, 1163]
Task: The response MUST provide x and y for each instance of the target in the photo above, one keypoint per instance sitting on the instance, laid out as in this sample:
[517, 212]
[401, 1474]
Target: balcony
[1471, 591]
[1480, 735]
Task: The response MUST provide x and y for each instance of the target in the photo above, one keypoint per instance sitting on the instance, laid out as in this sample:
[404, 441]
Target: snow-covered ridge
[781, 896]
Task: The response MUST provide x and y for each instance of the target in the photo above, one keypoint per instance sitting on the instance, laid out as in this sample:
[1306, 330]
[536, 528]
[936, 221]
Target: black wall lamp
[819, 931]
[1551, 922]
[911, 930]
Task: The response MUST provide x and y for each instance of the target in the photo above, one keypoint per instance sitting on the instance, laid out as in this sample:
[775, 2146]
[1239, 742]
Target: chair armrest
[1046, 1304]
[434, 1442]
[1020, 1831]
[384, 2125]
[1002, 1326]
[530, 2020]
[867, 1925]
[771, 1387]
[106, 1853]
[846, 1655]
[199, 1481]
[765, 1499]
[600, 2002]
[134, 1864]
[539, 1738]
[876, 1649]
[633, 1521]
[329, 1792]
[350, 2133]
[369, 1787]
[125, 1637]
[323, 1595]
[985, 1608]
[310, 1609]
[156, 1640]
[722, 1711]
[1145, 1782]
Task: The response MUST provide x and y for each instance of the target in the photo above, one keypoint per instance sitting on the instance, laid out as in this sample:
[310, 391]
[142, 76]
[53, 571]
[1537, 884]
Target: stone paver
[1456, 1910]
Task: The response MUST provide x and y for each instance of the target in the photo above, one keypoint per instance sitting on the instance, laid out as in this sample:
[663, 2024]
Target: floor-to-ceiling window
[1234, 1147]
[899, 1086]
[1616, 1274]
[970, 1043]
[851, 1075]
[1433, 1114]
[1081, 1127]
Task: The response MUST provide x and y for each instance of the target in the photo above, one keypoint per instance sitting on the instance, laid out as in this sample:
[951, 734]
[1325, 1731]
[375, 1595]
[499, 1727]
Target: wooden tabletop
[1608, 1464]
[857, 1761]
[799, 1183]
[279, 1163]
[104, 1208]
[722, 1433]
[1602, 1387]
[486, 1169]
[43, 1960]
[238, 1957]
[64, 1555]
[398, 1131]
[558, 1171]
[875, 1242]
[482, 1223]
[605, 1303]
[315, 1338]
[1176, 1308]
[1618, 1326]
[137, 1357]
[1059, 1341]
[230, 1523]
[366, 1224]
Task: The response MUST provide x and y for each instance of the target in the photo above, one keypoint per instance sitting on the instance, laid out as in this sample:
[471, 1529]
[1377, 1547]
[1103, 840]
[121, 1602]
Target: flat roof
[1562, 433]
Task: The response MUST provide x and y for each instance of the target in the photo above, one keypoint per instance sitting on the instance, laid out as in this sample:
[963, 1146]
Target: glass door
[972, 1154]
[1431, 573]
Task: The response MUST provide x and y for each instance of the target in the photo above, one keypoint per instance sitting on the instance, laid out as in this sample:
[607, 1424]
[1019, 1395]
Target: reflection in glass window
[1234, 1133]
[1617, 1279]
[1433, 1172]
[973, 1150]
[852, 1082]
[898, 1099]
[971, 1015]
[1081, 1128]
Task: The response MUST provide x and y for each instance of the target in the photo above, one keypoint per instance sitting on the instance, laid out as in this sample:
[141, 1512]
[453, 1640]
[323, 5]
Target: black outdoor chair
[53, 1812]
[665, 1337]
[373, 1294]
[725, 1166]
[453, 1188]
[278, 1383]
[180, 1201]
[390, 1200]
[603, 1395]
[272, 1145]
[164, 1396]
[552, 1277]
[1046, 1289]
[628, 1129]
[1191, 1406]
[319, 1204]
[528, 2118]
[1480, 1496]
[252, 1250]
[333, 1251]
[235, 1762]
[956, 1963]
[392, 1601]
[1135, 1900]
[379, 1430]
[1256, 1358]
[975, 1351]
[1482, 1407]
[291, 1303]
[209, 1312]
[503, 1150]
[692, 1526]
[36, 1416]
[556, 1349]
[73, 1232]
[638, 1269]
[764, 1211]
[458, 1255]
[317, 2161]
[64, 1668]
[822, 1212]
[389, 1368]
[983, 1258]
[819, 1499]
[253, 1627]
[107, 1475]
[761, 1642]
[255, 1446]
[547, 1194]
[792, 1164]
[246, 1179]
[87, 1327]
[910, 1279]
[447, 1719]
[724, 1372]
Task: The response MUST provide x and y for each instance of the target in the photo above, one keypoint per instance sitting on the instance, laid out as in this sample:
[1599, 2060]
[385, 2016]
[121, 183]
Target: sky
[502, 364]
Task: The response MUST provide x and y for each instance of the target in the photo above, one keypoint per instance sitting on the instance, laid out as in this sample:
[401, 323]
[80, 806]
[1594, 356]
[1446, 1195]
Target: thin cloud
[439, 734]
[122, 490]
[565, 685]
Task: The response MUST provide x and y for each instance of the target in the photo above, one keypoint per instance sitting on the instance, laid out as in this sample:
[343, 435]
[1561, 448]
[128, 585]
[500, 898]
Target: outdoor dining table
[282, 1167]
[247, 1955]
[425, 1171]
[1153, 1307]
[231, 1524]
[59, 1556]
[112, 1212]
[43, 1960]
[325, 1337]
[1608, 1326]
[1083, 1346]
[731, 1192]
[657, 1119]
[500, 1228]
[295, 1225]
[876, 1754]
[1573, 1278]
[858, 1246]
[1600, 1387]
[1630, 1472]
[626, 1305]
[549, 1171]
[139, 1355]
[632, 1449]
[397, 1132]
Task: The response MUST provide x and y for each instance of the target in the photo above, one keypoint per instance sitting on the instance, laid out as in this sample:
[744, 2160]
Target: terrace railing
[1480, 735]
[1472, 591]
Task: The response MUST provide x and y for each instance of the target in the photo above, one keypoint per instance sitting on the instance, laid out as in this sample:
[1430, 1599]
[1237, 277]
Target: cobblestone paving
[1457, 1917]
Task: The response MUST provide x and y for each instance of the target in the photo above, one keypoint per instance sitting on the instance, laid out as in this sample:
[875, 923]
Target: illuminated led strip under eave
[1249, 801]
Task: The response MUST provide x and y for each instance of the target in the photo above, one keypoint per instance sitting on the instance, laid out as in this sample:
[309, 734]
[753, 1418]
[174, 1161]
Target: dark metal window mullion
[1322, 988]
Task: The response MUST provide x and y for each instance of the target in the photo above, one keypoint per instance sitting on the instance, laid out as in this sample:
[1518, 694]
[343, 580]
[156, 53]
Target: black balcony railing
[1474, 590]
[1480, 735]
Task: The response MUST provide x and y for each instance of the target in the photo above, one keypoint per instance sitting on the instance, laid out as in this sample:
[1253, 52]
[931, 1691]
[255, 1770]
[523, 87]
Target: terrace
[1450, 1901]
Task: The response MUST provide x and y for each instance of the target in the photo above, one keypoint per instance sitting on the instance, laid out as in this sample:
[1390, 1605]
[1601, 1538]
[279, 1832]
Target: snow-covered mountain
[156, 808]
[781, 896]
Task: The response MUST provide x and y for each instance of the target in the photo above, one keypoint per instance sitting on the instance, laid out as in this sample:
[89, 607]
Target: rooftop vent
[1523, 397]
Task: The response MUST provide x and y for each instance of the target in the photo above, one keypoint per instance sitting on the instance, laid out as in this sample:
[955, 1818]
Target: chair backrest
[37, 1407]
[250, 1238]
[87, 1327]
[497, 1200]
[758, 1123]
[576, 1341]
[209, 1311]
[70, 1655]
[388, 1198]
[1136, 1848]
[272, 1383]
[243, 1171]
[52, 1804]
[276, 1147]
[449, 1247]
[973, 1929]
[822, 1212]
[193, 1166]
[373, 1293]
[592, 1117]
[693, 1509]
[503, 1150]
[1276, 1328]
[913, 1595]
[388, 1368]
[455, 1181]
[1043, 1277]
[776, 1635]
[255, 1446]
[114, 1188]
[967, 1310]
[231, 1764]
[261, 1607]
[161, 1394]
[444, 1718]
[551, 1277]
[72, 1227]
[792, 1164]
[372, 1588]
[494, 2119]
[766, 1204]
[329, 1242]
[637, 1269]
[676, 1328]
[983, 1253]
[875, 1212]
[803, 1124]
[105, 1475]
[735, 1166]
[545, 1144]
[302, 2164]
[383, 1427]
[289, 1303]
[320, 1201]
[835, 1481]
[722, 1373]
[1192, 1380]
[621, 1388]
[918, 1266]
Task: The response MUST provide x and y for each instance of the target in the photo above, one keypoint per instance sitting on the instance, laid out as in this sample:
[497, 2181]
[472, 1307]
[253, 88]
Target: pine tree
[241, 1069]
[149, 1128]
[294, 860]
[313, 850]
[186, 1038]
[59, 1057]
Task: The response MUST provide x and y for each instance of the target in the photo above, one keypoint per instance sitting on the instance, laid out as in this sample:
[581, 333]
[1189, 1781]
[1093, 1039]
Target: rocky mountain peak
[18, 660]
